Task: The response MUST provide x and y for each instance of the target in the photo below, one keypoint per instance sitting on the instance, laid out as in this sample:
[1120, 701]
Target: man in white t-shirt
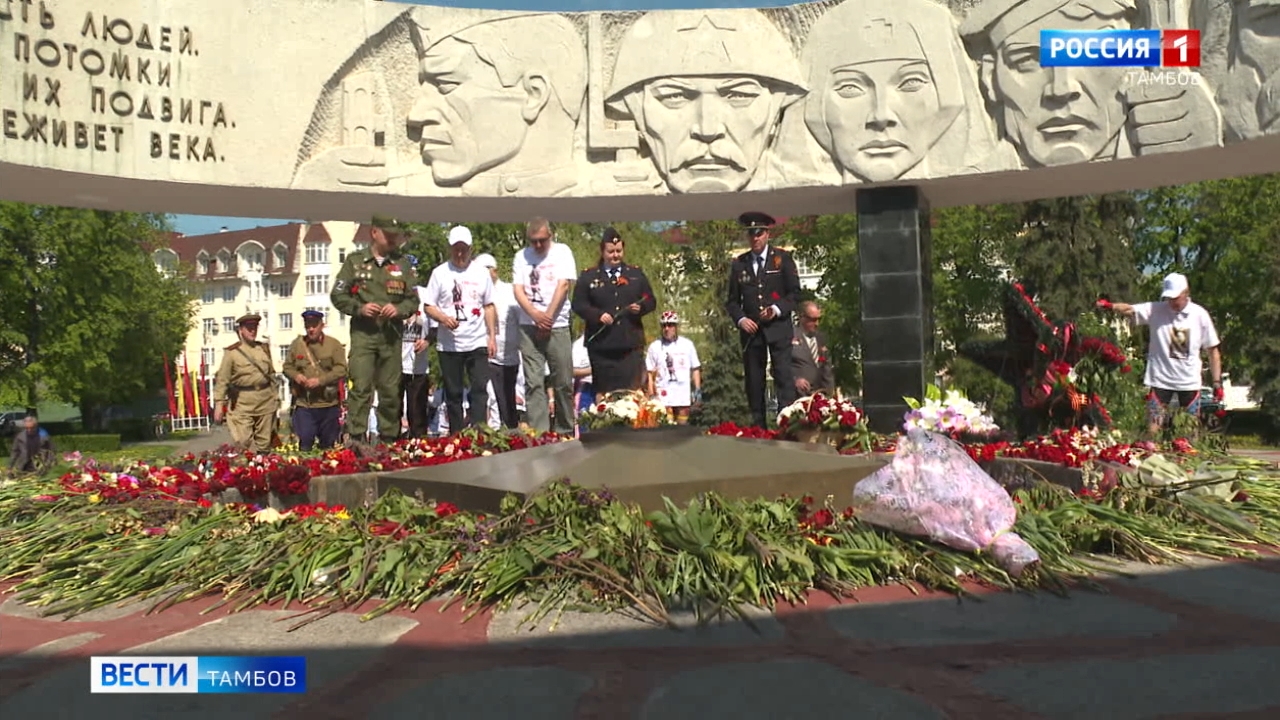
[675, 373]
[542, 275]
[460, 300]
[415, 363]
[504, 368]
[1180, 331]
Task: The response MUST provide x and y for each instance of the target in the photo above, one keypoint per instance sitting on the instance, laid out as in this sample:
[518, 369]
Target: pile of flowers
[627, 409]
[818, 414]
[952, 414]
[1074, 448]
[750, 432]
[255, 476]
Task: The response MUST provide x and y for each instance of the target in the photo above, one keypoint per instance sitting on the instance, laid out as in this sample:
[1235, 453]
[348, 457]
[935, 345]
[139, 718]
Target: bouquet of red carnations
[934, 489]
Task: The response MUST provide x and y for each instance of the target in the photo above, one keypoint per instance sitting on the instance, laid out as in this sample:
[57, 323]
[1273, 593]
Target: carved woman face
[880, 116]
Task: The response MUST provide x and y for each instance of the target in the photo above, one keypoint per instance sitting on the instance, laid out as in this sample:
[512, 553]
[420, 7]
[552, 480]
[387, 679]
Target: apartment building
[276, 271]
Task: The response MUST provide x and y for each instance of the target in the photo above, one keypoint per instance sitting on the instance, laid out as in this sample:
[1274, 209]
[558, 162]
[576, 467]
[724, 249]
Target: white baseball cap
[460, 234]
[1174, 285]
[486, 261]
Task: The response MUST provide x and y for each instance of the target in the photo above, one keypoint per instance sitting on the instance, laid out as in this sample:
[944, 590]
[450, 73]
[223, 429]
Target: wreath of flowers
[951, 413]
[626, 408]
[819, 413]
[1068, 369]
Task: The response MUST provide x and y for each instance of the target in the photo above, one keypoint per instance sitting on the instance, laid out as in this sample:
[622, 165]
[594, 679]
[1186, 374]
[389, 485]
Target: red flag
[189, 401]
[168, 388]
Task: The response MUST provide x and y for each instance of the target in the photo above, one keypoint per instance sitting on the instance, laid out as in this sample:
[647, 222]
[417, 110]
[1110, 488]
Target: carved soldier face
[465, 120]
[1259, 40]
[880, 116]
[1057, 115]
[707, 134]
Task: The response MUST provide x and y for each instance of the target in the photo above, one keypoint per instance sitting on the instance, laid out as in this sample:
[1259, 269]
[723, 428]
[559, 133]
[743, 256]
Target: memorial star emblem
[709, 38]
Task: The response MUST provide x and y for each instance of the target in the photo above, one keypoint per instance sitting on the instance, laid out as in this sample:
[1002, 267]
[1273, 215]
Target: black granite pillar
[897, 309]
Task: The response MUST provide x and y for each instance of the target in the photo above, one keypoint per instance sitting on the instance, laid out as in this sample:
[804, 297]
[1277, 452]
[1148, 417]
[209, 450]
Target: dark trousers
[613, 370]
[415, 389]
[504, 383]
[312, 424]
[755, 352]
[474, 365]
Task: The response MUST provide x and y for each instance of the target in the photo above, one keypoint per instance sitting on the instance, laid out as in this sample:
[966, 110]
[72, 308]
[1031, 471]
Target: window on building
[317, 253]
[286, 321]
[283, 351]
[208, 296]
[210, 325]
[281, 256]
[284, 289]
[317, 284]
[207, 356]
[224, 261]
[229, 324]
[202, 263]
[342, 255]
[229, 293]
[802, 266]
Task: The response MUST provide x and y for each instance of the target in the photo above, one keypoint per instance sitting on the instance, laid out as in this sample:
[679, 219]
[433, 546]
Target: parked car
[10, 422]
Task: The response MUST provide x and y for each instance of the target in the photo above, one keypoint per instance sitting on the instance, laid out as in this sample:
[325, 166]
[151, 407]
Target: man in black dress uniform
[612, 298]
[764, 287]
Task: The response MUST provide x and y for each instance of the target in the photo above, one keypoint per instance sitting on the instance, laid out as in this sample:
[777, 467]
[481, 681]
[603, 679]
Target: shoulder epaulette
[234, 346]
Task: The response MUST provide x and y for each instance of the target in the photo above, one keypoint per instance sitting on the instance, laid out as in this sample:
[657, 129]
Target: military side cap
[249, 318]
[312, 315]
[756, 220]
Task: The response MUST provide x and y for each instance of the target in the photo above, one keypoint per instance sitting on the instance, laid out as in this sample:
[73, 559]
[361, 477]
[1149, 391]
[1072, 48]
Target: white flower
[268, 515]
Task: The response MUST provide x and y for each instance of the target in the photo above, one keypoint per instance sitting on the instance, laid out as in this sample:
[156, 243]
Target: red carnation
[475, 312]
[775, 296]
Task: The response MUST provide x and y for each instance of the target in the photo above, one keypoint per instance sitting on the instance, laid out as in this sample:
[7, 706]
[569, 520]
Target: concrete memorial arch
[338, 109]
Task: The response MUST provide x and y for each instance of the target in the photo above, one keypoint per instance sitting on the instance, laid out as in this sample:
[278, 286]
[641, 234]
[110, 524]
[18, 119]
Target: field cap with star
[249, 319]
[312, 316]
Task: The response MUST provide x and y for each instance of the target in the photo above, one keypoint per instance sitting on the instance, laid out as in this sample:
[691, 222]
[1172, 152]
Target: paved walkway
[1196, 642]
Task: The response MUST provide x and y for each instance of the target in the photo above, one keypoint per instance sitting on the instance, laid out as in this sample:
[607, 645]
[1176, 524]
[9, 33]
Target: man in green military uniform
[316, 365]
[376, 288]
[244, 390]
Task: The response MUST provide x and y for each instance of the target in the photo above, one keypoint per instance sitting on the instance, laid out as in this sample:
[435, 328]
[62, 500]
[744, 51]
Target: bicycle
[161, 425]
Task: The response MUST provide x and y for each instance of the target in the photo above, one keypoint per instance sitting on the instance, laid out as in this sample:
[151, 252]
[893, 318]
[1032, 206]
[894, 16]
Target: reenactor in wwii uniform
[316, 366]
[376, 287]
[764, 287]
[244, 390]
[613, 298]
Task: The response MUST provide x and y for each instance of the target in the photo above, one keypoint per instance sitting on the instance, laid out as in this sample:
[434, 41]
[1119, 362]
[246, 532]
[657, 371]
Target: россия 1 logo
[1120, 48]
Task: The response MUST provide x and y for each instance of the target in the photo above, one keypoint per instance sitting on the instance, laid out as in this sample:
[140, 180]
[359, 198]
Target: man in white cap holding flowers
[1180, 331]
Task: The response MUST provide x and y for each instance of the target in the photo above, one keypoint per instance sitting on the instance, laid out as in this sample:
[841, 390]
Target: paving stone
[530, 693]
[14, 608]
[780, 690]
[1231, 587]
[588, 630]
[1236, 681]
[334, 647]
[45, 651]
[996, 618]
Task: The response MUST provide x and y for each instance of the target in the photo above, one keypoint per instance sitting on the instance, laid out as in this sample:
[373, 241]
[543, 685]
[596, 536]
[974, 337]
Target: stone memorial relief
[1241, 58]
[379, 99]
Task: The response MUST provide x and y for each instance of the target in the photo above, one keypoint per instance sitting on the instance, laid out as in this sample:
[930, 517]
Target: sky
[201, 224]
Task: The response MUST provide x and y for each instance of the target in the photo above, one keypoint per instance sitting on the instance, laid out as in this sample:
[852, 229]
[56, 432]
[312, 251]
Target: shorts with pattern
[1159, 400]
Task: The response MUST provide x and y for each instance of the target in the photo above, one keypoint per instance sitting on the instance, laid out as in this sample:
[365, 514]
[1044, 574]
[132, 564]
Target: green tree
[704, 262]
[1072, 250]
[85, 306]
[830, 242]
